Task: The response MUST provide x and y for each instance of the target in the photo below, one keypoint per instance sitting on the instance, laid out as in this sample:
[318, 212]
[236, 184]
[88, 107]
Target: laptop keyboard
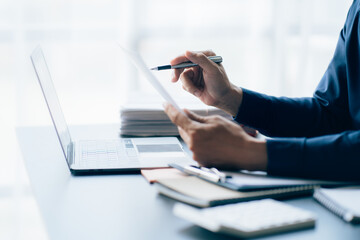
[109, 153]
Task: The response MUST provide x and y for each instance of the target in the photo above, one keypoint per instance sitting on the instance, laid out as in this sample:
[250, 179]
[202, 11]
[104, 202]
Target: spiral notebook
[241, 186]
[195, 191]
[344, 202]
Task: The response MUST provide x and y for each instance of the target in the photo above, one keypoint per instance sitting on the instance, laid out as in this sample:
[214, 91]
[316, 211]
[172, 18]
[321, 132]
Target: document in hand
[141, 66]
[158, 124]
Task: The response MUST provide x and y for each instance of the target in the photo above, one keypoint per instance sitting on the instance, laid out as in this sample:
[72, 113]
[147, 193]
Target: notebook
[343, 202]
[241, 186]
[251, 181]
[248, 219]
[198, 192]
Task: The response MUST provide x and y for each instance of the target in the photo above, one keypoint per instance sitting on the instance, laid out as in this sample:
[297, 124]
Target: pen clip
[220, 176]
[197, 171]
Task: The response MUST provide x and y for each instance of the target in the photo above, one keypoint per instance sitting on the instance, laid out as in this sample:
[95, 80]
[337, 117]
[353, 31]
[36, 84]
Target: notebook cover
[343, 202]
[198, 192]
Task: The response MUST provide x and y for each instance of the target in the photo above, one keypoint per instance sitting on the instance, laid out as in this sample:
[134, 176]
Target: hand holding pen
[211, 139]
[207, 81]
[215, 59]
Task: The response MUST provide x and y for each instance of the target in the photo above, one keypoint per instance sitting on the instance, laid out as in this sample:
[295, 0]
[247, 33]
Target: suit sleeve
[327, 112]
[315, 137]
[331, 157]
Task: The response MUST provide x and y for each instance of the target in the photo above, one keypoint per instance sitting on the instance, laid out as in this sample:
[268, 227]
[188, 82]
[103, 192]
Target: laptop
[109, 155]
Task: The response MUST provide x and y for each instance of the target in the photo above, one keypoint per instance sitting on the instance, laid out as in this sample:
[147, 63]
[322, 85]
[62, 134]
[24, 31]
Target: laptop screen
[52, 101]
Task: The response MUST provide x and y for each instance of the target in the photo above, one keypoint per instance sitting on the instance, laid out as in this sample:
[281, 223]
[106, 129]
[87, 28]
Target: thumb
[201, 59]
[194, 116]
[177, 117]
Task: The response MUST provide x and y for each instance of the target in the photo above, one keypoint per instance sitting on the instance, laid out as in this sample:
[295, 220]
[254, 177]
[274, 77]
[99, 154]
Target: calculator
[248, 219]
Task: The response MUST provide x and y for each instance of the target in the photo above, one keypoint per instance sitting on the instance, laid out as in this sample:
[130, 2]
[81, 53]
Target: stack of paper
[151, 120]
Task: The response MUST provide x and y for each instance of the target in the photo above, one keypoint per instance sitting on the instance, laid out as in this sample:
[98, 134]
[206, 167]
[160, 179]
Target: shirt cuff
[285, 156]
[253, 108]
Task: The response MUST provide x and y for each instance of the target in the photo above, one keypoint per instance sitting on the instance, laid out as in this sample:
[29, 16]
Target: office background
[280, 47]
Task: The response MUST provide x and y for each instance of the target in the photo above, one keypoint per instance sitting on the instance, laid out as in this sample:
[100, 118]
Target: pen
[215, 59]
[202, 172]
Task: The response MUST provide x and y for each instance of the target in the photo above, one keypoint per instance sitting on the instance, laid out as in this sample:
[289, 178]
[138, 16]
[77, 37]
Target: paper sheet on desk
[165, 173]
[141, 66]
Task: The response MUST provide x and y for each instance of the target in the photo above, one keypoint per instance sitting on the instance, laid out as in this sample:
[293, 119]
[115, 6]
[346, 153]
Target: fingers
[177, 72]
[195, 116]
[208, 53]
[184, 135]
[202, 60]
[177, 117]
[187, 79]
[179, 59]
[183, 58]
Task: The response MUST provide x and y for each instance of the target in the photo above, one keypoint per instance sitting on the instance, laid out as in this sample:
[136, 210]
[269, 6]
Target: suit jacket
[317, 137]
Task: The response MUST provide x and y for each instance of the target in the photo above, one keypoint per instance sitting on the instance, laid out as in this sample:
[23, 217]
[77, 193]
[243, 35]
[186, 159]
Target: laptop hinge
[71, 154]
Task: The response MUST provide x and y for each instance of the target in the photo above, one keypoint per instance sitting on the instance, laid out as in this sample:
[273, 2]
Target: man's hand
[208, 81]
[218, 142]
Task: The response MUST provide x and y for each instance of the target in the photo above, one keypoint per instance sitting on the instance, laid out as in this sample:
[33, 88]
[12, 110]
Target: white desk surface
[124, 206]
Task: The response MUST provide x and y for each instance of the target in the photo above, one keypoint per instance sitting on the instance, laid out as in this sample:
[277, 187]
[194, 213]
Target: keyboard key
[107, 153]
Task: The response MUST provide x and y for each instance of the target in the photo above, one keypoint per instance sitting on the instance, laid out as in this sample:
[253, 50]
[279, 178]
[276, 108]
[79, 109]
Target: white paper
[141, 66]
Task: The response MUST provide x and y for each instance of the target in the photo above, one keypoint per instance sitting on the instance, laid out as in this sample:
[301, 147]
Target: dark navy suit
[316, 137]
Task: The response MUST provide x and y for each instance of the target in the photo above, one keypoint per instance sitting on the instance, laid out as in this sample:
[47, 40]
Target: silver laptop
[105, 156]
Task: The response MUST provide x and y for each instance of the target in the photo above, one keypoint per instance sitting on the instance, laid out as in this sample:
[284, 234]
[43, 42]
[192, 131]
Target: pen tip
[154, 68]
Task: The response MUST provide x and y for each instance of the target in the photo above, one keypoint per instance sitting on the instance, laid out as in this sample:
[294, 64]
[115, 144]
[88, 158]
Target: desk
[124, 206]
